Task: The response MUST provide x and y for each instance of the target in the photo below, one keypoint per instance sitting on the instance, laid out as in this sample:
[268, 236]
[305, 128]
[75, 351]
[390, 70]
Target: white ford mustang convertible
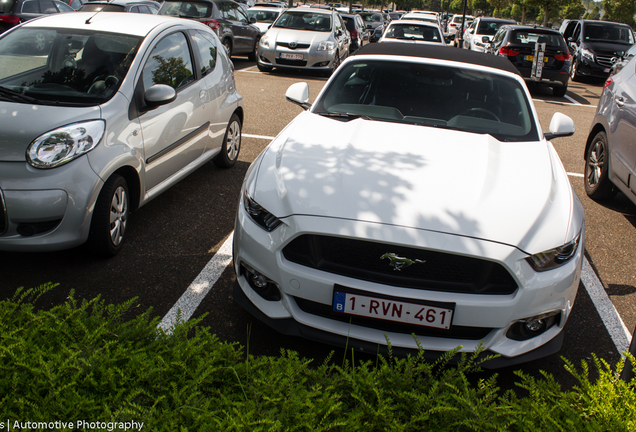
[416, 201]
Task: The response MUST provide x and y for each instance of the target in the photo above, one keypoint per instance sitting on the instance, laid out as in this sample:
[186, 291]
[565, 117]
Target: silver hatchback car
[303, 38]
[115, 110]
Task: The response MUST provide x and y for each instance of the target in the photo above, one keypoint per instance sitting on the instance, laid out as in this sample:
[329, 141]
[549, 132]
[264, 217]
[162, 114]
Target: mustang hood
[412, 176]
[14, 140]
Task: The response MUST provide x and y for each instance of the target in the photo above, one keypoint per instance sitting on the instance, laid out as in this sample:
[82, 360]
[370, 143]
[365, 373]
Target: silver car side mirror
[159, 94]
[299, 94]
[560, 126]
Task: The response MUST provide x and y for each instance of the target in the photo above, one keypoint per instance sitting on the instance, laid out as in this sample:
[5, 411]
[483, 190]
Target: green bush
[84, 361]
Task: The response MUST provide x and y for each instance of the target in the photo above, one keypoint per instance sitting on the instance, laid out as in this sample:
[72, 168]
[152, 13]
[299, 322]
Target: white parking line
[200, 287]
[258, 136]
[575, 174]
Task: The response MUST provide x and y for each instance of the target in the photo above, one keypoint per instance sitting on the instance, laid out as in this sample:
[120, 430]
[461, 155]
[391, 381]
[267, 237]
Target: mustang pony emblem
[398, 263]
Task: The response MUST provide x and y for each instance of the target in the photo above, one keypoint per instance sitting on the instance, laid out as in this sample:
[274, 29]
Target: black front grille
[3, 215]
[297, 46]
[430, 270]
[605, 60]
[455, 332]
[287, 62]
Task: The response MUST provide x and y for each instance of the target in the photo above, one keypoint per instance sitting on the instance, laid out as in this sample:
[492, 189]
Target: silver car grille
[604, 61]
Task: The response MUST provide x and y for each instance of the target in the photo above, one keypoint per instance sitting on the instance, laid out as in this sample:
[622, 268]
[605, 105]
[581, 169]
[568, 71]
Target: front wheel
[231, 144]
[227, 44]
[574, 71]
[110, 217]
[597, 183]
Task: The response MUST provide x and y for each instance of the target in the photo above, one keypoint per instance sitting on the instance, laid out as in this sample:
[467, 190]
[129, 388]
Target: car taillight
[608, 82]
[213, 24]
[508, 52]
[11, 19]
[563, 57]
[354, 33]
[453, 25]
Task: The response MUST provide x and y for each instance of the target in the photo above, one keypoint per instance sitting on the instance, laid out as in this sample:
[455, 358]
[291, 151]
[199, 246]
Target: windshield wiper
[16, 96]
[345, 116]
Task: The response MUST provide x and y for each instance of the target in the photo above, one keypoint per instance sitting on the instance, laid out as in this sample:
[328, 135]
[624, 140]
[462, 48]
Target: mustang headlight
[326, 46]
[64, 144]
[554, 258]
[259, 215]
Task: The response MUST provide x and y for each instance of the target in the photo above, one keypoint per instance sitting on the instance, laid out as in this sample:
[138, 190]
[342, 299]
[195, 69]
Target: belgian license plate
[290, 56]
[423, 314]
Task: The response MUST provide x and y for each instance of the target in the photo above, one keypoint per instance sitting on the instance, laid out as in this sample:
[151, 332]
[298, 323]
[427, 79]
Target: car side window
[31, 6]
[206, 47]
[576, 33]
[47, 7]
[240, 16]
[169, 63]
[228, 11]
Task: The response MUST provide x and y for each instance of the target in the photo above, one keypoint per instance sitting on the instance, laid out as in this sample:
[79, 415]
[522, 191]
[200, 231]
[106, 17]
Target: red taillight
[11, 19]
[563, 57]
[213, 24]
[608, 82]
[508, 52]
[453, 25]
[354, 33]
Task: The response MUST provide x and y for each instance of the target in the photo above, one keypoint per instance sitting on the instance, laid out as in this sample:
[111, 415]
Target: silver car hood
[22, 123]
[300, 36]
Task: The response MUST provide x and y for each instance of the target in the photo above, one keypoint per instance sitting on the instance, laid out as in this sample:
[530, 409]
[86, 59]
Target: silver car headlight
[258, 214]
[556, 257]
[264, 42]
[64, 144]
[326, 46]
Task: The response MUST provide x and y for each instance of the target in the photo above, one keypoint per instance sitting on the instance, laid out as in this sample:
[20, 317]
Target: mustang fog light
[262, 285]
[528, 328]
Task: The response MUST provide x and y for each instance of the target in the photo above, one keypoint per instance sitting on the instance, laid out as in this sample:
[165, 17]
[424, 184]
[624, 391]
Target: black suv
[596, 46]
[523, 46]
[227, 18]
[14, 12]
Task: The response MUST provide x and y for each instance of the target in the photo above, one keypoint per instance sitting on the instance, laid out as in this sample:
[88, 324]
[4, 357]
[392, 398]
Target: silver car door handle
[619, 101]
[202, 94]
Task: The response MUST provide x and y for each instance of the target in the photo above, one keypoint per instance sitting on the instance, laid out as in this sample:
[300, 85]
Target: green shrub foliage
[85, 361]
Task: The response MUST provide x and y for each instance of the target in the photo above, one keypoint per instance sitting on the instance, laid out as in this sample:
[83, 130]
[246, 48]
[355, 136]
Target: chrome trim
[3, 216]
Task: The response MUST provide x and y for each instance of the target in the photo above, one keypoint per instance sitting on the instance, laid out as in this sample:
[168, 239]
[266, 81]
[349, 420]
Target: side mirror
[159, 94]
[299, 94]
[252, 20]
[560, 126]
[485, 39]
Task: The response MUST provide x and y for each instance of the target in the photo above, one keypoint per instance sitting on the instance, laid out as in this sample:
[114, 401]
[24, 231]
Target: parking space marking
[257, 136]
[200, 287]
[609, 315]
[575, 174]
[562, 103]
[249, 69]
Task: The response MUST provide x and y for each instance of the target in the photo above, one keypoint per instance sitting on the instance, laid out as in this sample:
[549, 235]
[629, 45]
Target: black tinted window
[206, 46]
[186, 9]
[169, 63]
[529, 37]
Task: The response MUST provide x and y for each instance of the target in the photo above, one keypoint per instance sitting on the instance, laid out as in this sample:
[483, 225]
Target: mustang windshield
[61, 66]
[430, 95]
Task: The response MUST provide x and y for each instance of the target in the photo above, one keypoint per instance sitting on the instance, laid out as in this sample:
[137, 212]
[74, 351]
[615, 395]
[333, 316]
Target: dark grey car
[610, 151]
[227, 18]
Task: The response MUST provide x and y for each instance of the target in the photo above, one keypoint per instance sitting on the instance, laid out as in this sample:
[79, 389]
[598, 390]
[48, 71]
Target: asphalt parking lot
[173, 238]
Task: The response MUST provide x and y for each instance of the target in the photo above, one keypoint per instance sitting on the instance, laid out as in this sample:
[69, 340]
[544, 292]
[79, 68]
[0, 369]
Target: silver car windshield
[430, 95]
[63, 67]
[304, 21]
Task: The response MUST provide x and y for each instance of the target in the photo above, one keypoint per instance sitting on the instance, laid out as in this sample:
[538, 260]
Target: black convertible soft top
[438, 52]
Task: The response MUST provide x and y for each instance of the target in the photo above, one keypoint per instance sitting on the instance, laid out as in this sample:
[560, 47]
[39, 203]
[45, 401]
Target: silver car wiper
[17, 96]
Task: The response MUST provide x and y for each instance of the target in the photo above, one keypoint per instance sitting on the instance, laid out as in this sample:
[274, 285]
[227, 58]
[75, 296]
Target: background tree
[549, 8]
[594, 15]
[482, 6]
[621, 11]
[574, 10]
[498, 6]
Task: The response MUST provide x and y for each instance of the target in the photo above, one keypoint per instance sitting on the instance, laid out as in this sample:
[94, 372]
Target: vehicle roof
[491, 19]
[111, 22]
[310, 10]
[538, 29]
[266, 8]
[441, 53]
[123, 2]
[432, 24]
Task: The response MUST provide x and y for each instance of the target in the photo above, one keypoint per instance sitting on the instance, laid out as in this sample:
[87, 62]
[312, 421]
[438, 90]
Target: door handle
[620, 101]
[202, 94]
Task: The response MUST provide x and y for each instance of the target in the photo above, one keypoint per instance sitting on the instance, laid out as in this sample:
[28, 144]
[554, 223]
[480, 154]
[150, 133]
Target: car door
[623, 127]
[244, 34]
[340, 32]
[174, 134]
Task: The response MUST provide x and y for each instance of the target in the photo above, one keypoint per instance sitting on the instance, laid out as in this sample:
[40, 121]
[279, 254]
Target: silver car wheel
[233, 140]
[118, 215]
[595, 163]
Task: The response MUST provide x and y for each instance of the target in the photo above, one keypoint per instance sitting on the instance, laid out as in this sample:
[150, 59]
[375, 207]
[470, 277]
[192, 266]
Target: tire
[559, 91]
[263, 68]
[227, 44]
[336, 64]
[252, 56]
[574, 71]
[110, 218]
[597, 183]
[231, 144]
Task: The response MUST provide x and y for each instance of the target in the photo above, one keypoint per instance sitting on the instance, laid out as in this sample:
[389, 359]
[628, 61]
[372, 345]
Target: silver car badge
[398, 263]
[293, 44]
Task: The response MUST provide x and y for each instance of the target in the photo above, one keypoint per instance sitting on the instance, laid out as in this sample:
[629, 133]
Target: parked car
[263, 16]
[395, 15]
[413, 31]
[227, 18]
[75, 4]
[466, 233]
[521, 45]
[623, 60]
[423, 17]
[134, 6]
[127, 105]
[376, 22]
[14, 12]
[477, 35]
[455, 25]
[305, 38]
[610, 152]
[596, 46]
[360, 35]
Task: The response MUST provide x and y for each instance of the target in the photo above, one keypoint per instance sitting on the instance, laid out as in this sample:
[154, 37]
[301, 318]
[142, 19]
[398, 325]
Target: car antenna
[88, 21]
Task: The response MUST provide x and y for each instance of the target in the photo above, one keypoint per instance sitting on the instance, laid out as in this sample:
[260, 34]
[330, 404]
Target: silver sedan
[301, 38]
